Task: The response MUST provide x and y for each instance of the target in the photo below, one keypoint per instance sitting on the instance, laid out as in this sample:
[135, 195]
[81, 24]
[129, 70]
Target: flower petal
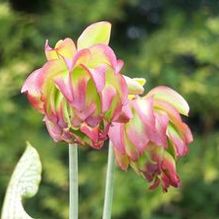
[135, 85]
[169, 174]
[65, 48]
[161, 121]
[172, 97]
[135, 131]
[98, 76]
[144, 108]
[92, 133]
[97, 33]
[116, 135]
[107, 97]
[32, 86]
[178, 141]
[121, 159]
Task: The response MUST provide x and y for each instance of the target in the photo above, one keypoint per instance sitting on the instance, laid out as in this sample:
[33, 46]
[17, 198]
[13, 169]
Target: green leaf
[24, 183]
[97, 33]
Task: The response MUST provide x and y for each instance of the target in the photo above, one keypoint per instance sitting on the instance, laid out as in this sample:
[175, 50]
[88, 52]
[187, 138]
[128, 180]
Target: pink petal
[131, 150]
[144, 108]
[107, 97]
[161, 128]
[136, 133]
[116, 136]
[175, 119]
[187, 134]
[154, 184]
[92, 133]
[78, 80]
[169, 176]
[121, 159]
[125, 114]
[119, 66]
[63, 85]
[81, 57]
[180, 145]
[169, 109]
[86, 112]
[79, 93]
[102, 54]
[98, 76]
[32, 86]
[93, 120]
[124, 89]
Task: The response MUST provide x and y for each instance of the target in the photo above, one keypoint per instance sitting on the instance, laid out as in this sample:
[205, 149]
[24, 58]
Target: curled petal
[169, 174]
[121, 159]
[102, 54]
[172, 97]
[65, 48]
[98, 76]
[119, 66]
[92, 133]
[135, 85]
[96, 56]
[187, 134]
[81, 57]
[32, 86]
[163, 106]
[57, 132]
[178, 141]
[125, 115]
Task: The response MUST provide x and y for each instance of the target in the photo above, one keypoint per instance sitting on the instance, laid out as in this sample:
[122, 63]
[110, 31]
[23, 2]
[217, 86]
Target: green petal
[97, 33]
[170, 96]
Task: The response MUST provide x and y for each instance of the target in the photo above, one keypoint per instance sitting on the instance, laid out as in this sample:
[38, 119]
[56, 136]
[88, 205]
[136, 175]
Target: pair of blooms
[86, 100]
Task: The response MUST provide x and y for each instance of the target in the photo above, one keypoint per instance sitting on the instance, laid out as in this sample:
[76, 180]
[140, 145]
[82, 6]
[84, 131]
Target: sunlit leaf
[24, 183]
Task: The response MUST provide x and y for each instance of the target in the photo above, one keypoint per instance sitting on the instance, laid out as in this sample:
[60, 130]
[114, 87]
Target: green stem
[109, 184]
[73, 181]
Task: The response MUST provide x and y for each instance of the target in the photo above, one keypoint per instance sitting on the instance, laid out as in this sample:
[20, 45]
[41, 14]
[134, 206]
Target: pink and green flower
[155, 136]
[79, 90]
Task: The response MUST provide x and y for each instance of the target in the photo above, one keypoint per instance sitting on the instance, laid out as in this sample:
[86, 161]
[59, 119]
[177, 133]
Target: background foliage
[171, 42]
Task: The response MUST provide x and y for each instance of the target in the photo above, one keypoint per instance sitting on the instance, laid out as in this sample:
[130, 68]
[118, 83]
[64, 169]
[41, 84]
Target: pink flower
[154, 138]
[79, 90]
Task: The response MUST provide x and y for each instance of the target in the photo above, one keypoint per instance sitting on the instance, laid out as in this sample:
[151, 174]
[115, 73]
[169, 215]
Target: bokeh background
[170, 42]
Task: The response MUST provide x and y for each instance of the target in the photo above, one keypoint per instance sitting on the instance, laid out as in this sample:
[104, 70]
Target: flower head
[154, 138]
[79, 90]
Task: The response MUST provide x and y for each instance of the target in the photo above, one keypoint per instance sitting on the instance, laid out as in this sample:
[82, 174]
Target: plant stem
[73, 181]
[109, 184]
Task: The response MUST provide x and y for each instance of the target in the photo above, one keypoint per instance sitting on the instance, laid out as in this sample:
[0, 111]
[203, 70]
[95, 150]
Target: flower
[154, 138]
[79, 90]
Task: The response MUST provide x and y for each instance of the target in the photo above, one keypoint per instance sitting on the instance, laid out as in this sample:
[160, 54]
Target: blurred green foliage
[169, 42]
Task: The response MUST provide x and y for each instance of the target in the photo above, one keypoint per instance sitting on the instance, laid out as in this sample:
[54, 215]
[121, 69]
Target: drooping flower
[154, 138]
[79, 90]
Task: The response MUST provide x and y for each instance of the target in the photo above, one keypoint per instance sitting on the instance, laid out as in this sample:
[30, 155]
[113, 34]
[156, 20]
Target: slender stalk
[73, 181]
[109, 184]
